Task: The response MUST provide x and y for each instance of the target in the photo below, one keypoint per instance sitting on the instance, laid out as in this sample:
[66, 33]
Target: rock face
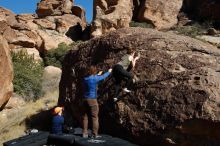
[80, 12]
[54, 7]
[161, 13]
[6, 73]
[110, 15]
[176, 93]
[42, 34]
[36, 34]
[215, 40]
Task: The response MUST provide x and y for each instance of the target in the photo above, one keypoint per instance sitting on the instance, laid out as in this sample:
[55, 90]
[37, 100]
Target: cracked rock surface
[177, 87]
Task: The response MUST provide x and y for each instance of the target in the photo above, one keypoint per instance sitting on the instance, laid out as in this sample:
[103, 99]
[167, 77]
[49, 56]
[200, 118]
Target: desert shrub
[194, 29]
[55, 57]
[27, 75]
[191, 31]
[141, 24]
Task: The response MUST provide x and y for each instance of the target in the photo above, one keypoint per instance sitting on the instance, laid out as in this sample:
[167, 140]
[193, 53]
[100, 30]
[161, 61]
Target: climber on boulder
[121, 71]
[90, 104]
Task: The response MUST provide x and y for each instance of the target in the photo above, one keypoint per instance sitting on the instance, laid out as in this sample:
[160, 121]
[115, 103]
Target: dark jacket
[57, 124]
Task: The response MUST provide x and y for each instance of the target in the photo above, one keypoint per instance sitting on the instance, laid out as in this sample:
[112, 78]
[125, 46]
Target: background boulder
[161, 13]
[177, 87]
[6, 70]
[110, 15]
[43, 31]
[51, 78]
[54, 7]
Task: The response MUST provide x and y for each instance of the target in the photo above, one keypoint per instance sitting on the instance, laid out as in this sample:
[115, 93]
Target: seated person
[57, 121]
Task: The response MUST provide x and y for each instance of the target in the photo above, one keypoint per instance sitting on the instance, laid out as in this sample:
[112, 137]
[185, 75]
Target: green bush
[27, 75]
[141, 24]
[191, 31]
[55, 57]
[194, 29]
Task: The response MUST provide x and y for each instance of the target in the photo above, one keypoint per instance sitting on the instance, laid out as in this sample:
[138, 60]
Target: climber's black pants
[120, 74]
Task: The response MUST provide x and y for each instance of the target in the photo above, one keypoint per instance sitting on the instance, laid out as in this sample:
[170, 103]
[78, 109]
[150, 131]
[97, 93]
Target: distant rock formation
[175, 98]
[81, 13]
[36, 34]
[54, 7]
[6, 76]
[161, 13]
[110, 15]
[29, 32]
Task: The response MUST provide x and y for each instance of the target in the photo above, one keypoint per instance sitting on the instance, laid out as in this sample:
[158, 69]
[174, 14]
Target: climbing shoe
[126, 90]
[96, 136]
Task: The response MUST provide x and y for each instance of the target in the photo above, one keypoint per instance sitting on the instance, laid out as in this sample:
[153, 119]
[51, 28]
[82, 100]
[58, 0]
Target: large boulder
[51, 39]
[28, 20]
[6, 77]
[54, 7]
[30, 31]
[175, 94]
[7, 18]
[10, 34]
[45, 23]
[54, 30]
[110, 15]
[51, 79]
[23, 41]
[66, 22]
[81, 13]
[161, 13]
[7, 15]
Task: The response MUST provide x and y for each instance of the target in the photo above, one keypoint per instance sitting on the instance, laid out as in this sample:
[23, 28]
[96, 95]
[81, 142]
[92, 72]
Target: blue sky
[29, 6]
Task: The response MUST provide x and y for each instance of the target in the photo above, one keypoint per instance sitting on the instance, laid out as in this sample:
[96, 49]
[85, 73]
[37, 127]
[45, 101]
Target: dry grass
[13, 121]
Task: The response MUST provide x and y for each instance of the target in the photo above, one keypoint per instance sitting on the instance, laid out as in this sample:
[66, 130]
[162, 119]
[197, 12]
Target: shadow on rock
[75, 32]
[40, 121]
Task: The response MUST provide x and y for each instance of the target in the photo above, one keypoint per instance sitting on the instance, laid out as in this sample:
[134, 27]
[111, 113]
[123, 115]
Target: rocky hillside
[162, 14]
[177, 87]
[54, 23]
[110, 15]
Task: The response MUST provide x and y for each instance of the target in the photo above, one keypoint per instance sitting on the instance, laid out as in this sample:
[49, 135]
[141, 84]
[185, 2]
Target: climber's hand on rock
[100, 73]
[138, 57]
[110, 70]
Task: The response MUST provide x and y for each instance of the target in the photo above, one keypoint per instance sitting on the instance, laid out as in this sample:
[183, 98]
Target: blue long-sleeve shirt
[91, 82]
[57, 124]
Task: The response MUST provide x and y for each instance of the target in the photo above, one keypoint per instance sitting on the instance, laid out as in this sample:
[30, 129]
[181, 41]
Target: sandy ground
[15, 121]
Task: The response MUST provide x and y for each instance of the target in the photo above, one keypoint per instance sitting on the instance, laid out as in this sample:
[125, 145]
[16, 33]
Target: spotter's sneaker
[126, 90]
[96, 136]
[85, 135]
[115, 99]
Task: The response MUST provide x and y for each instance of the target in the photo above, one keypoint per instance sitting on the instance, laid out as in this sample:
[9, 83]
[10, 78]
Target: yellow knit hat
[57, 110]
